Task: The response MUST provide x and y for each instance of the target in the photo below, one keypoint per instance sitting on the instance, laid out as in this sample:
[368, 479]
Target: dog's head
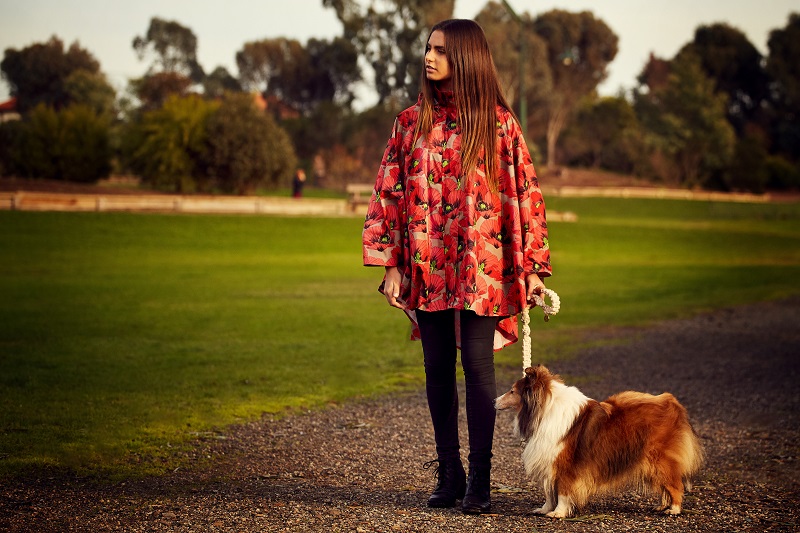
[527, 397]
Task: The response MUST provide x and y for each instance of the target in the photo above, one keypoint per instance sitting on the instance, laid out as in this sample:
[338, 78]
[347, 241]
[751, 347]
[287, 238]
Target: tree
[323, 126]
[38, 137]
[91, 89]
[274, 66]
[300, 76]
[334, 71]
[154, 89]
[579, 50]
[687, 130]
[167, 145]
[748, 170]
[655, 73]
[736, 66]
[502, 32]
[9, 148]
[390, 37]
[605, 133]
[173, 46]
[38, 73]
[219, 82]
[245, 148]
[783, 66]
[363, 138]
[85, 144]
[173, 68]
[72, 144]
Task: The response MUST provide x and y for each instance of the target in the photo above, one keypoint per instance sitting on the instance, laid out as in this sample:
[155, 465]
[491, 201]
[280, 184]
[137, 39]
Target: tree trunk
[554, 126]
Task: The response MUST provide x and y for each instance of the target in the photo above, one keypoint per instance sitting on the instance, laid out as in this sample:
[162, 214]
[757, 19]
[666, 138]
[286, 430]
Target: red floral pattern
[457, 243]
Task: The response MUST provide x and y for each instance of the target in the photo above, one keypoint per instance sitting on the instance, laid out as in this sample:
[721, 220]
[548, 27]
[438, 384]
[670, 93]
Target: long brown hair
[476, 91]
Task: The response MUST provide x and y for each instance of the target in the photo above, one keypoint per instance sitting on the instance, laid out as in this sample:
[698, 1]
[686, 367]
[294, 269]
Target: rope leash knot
[549, 310]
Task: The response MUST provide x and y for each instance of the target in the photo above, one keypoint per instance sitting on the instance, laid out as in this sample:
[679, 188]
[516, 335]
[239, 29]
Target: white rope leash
[549, 310]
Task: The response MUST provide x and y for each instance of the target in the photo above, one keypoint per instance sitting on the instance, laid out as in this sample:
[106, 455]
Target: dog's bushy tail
[692, 455]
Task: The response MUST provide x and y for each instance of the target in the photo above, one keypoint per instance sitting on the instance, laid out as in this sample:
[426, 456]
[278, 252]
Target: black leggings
[437, 330]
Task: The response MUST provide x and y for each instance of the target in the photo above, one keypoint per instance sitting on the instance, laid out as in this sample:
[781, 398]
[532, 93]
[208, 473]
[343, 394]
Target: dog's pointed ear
[530, 371]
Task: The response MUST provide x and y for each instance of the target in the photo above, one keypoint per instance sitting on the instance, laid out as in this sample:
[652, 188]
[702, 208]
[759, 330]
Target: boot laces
[438, 471]
[442, 473]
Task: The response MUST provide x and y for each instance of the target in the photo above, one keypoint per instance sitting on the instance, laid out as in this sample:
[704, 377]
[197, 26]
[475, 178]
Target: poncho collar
[444, 99]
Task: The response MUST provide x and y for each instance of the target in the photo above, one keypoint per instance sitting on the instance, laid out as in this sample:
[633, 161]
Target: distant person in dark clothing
[298, 182]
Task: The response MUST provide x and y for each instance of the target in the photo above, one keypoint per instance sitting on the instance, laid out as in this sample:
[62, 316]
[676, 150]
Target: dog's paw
[672, 510]
[541, 510]
[557, 514]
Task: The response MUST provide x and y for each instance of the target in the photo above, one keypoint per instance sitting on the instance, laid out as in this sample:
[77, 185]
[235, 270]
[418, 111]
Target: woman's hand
[533, 285]
[391, 287]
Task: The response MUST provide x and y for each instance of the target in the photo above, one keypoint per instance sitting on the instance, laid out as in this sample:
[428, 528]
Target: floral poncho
[457, 244]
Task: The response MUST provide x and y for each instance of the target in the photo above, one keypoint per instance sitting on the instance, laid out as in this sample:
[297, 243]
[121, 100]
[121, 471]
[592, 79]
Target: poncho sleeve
[382, 237]
[536, 247]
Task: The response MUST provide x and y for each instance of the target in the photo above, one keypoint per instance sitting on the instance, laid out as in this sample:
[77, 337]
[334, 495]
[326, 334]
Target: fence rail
[39, 201]
[45, 201]
[655, 193]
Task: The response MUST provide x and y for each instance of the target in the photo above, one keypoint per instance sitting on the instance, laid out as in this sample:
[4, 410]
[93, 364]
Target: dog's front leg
[550, 492]
[564, 508]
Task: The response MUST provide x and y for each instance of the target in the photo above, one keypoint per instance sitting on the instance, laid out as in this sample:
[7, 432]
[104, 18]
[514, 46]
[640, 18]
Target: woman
[457, 220]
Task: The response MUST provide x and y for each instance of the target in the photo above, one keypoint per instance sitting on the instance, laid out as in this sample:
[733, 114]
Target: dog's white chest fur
[558, 415]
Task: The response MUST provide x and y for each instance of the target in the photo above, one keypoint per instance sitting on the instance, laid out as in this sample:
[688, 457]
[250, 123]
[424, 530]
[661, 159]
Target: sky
[106, 28]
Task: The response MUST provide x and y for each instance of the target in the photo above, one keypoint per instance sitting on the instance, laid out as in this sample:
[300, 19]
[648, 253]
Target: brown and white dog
[577, 447]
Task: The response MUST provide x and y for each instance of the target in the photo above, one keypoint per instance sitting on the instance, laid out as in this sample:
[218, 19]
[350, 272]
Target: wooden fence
[654, 193]
[40, 201]
[44, 201]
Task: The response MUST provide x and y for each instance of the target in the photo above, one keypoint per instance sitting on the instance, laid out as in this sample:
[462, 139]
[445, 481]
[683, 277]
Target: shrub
[245, 149]
[85, 151]
[604, 134]
[748, 170]
[782, 174]
[10, 133]
[71, 145]
[38, 142]
[168, 143]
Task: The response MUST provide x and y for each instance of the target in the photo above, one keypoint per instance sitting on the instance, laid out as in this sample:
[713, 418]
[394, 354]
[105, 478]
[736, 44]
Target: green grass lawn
[124, 336]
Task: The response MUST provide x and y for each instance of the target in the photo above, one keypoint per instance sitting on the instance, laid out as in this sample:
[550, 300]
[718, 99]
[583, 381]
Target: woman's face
[437, 67]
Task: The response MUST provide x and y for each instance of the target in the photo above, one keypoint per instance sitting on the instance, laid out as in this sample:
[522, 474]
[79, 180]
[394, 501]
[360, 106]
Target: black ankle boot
[451, 482]
[477, 499]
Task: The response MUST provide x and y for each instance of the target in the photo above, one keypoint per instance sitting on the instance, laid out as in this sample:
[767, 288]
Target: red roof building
[8, 110]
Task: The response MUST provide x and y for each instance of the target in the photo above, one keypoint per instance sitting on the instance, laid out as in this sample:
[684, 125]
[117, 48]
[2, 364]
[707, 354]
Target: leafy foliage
[735, 65]
[503, 35]
[748, 169]
[245, 148]
[193, 144]
[174, 47]
[91, 89]
[300, 76]
[154, 89]
[9, 139]
[579, 50]
[783, 65]
[219, 82]
[171, 142]
[718, 114]
[39, 73]
[72, 144]
[390, 37]
[605, 133]
[686, 124]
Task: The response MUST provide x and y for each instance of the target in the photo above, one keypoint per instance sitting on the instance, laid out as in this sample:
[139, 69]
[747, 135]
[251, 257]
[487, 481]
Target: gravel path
[357, 467]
